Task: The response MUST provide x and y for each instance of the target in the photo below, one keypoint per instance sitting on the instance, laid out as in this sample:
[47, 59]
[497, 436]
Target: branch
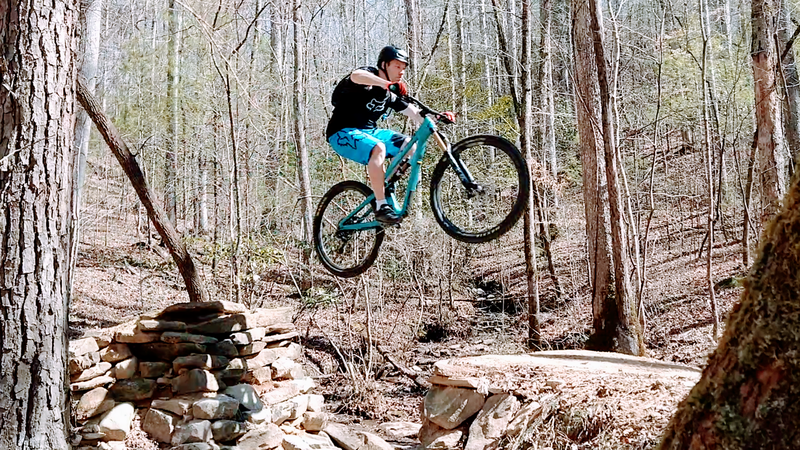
[790, 43]
[194, 283]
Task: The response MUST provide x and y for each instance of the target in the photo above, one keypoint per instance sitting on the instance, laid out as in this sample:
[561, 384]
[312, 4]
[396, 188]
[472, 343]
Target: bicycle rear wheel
[346, 253]
[480, 214]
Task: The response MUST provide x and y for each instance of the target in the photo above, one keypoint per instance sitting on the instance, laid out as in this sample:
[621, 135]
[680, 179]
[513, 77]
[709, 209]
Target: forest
[661, 137]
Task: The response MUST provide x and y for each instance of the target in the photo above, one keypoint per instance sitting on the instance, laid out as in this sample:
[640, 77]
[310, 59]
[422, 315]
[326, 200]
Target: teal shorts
[357, 144]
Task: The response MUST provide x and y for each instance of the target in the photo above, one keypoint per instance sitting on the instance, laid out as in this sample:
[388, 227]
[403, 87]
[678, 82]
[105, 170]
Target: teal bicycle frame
[420, 138]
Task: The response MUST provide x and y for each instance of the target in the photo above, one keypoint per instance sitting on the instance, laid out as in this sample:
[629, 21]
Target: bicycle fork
[472, 187]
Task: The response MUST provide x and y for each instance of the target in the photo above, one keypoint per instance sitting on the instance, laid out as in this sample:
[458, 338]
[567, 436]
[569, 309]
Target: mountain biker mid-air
[360, 100]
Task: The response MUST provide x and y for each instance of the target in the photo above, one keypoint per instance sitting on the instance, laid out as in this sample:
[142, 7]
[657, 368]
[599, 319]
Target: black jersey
[360, 106]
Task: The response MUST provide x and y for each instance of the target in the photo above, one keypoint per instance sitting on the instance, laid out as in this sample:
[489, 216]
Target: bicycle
[479, 189]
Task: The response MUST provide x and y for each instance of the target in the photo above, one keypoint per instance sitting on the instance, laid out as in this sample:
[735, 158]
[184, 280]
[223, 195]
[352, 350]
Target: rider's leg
[376, 171]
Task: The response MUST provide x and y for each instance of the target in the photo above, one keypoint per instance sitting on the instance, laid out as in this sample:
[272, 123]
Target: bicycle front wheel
[489, 208]
[349, 252]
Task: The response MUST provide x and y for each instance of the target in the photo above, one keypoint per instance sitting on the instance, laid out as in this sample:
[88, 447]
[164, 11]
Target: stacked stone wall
[200, 376]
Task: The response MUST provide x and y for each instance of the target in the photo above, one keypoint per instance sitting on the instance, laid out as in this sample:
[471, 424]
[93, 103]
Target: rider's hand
[450, 116]
[398, 88]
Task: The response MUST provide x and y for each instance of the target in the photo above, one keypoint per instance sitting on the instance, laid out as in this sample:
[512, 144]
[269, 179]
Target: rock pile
[200, 376]
[485, 402]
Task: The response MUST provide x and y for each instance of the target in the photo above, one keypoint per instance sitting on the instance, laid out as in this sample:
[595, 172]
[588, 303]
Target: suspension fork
[472, 187]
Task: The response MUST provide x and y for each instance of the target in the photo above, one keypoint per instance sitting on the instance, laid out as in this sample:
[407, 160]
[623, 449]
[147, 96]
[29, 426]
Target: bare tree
[37, 114]
[771, 143]
[173, 114]
[300, 128]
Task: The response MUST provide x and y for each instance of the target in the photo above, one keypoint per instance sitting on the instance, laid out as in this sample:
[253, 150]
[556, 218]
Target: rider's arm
[412, 112]
[360, 76]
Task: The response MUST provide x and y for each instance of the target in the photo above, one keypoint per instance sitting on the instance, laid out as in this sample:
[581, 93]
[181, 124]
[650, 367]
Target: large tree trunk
[37, 120]
[613, 307]
[171, 238]
[747, 396]
[628, 336]
[768, 114]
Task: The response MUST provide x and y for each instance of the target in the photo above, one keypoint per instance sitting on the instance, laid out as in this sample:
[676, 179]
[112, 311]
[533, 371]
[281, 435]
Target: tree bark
[791, 101]
[595, 190]
[616, 326]
[747, 396]
[525, 120]
[704, 19]
[173, 115]
[37, 121]
[191, 277]
[300, 130]
[767, 107]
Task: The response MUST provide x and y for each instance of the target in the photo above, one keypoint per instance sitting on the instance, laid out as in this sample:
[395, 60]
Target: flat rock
[181, 405]
[161, 351]
[315, 421]
[219, 407]
[159, 425]
[400, 430]
[92, 372]
[285, 369]
[260, 317]
[195, 380]
[305, 441]
[304, 385]
[148, 369]
[126, 369]
[80, 347]
[284, 327]
[91, 384]
[263, 437]
[133, 390]
[246, 395]
[115, 352]
[492, 421]
[279, 394]
[224, 348]
[161, 325]
[116, 424]
[83, 362]
[523, 417]
[95, 402]
[174, 337]
[373, 442]
[198, 361]
[280, 337]
[197, 309]
[270, 355]
[129, 333]
[192, 431]
[259, 376]
[251, 348]
[434, 437]
[450, 406]
[227, 430]
[247, 336]
[343, 436]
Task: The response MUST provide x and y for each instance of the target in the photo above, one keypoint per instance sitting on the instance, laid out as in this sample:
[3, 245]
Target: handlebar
[424, 109]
